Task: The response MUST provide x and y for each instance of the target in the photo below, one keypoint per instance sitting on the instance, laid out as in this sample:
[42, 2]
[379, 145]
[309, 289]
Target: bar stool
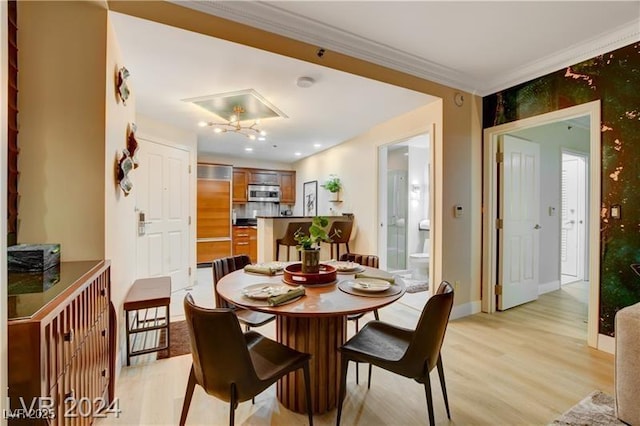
[288, 239]
[340, 232]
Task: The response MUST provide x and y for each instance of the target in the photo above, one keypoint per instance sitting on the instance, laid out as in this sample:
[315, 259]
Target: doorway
[491, 195]
[573, 217]
[404, 202]
[162, 209]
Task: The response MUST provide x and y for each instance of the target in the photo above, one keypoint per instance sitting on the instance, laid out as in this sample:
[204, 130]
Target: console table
[62, 344]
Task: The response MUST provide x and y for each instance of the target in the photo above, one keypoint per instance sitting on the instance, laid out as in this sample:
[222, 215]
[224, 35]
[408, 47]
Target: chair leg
[288, 252]
[347, 244]
[375, 314]
[427, 391]
[357, 363]
[344, 367]
[443, 385]
[191, 385]
[277, 251]
[369, 380]
[232, 405]
[307, 386]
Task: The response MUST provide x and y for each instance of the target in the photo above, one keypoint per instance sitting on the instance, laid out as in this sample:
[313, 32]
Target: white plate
[264, 291]
[342, 266]
[371, 285]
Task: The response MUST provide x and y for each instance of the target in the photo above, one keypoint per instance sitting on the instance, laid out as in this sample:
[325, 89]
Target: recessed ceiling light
[248, 149]
[262, 138]
[202, 124]
[298, 154]
[317, 145]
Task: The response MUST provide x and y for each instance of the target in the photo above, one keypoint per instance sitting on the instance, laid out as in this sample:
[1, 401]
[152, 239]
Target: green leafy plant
[317, 233]
[333, 184]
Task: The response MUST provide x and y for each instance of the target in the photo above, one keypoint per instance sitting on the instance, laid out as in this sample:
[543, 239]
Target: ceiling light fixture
[305, 82]
[235, 125]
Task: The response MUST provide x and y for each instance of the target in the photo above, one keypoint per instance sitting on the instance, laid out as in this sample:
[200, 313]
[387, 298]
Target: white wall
[120, 220]
[552, 139]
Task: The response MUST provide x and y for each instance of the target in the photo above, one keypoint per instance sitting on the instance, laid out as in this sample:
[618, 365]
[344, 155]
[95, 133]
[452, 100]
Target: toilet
[419, 262]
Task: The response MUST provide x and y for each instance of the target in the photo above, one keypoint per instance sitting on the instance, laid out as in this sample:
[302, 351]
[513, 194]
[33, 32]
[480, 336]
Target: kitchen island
[272, 228]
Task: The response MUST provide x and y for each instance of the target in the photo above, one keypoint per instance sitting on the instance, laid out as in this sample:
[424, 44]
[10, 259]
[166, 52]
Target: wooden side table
[146, 308]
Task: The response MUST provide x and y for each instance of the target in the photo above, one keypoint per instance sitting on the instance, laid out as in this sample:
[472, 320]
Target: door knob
[537, 226]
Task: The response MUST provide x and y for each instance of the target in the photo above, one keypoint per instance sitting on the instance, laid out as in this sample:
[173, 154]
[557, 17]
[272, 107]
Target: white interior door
[162, 203]
[519, 209]
[573, 217]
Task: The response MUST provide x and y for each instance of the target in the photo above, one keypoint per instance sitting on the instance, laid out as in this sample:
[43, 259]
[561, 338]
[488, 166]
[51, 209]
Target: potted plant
[309, 244]
[333, 185]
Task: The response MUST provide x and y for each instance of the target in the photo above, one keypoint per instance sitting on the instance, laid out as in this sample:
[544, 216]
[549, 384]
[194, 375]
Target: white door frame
[490, 192]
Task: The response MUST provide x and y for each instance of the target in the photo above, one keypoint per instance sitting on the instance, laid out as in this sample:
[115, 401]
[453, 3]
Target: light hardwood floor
[521, 367]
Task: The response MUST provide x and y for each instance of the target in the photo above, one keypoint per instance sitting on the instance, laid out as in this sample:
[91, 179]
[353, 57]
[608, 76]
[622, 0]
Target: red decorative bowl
[293, 275]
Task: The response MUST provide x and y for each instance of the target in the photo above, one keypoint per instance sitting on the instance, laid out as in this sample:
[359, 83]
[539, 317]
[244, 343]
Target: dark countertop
[300, 217]
[241, 221]
[25, 305]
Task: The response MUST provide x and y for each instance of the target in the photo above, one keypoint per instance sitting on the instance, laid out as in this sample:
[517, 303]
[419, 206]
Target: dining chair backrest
[222, 267]
[369, 260]
[340, 231]
[219, 350]
[288, 239]
[424, 349]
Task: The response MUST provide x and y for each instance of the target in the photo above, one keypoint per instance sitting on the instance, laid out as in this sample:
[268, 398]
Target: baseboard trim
[606, 343]
[465, 309]
[548, 287]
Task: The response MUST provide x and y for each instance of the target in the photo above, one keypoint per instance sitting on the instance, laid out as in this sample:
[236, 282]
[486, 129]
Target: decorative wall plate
[121, 85]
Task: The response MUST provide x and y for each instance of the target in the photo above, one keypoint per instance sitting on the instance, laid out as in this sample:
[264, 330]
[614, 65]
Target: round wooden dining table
[316, 324]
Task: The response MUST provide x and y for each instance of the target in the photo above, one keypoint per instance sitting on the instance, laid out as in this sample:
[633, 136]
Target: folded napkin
[285, 297]
[259, 269]
[387, 278]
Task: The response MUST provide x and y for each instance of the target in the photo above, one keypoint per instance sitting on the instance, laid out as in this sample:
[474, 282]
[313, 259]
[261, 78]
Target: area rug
[179, 340]
[597, 409]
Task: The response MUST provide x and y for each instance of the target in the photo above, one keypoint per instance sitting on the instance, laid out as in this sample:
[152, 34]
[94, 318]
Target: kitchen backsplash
[253, 209]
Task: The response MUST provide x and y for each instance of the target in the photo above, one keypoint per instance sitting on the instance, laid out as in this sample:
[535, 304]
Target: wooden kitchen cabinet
[263, 177]
[287, 187]
[207, 251]
[245, 241]
[240, 182]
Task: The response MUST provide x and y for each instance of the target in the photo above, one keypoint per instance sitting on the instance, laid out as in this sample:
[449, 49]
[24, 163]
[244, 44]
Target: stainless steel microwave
[264, 193]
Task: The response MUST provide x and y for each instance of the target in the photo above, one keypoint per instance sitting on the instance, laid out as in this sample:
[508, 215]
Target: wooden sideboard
[62, 345]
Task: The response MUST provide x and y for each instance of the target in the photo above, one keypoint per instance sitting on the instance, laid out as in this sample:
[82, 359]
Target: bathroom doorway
[404, 203]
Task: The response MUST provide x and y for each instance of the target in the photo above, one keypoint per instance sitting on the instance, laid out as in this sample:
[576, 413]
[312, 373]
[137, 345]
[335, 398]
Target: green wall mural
[614, 78]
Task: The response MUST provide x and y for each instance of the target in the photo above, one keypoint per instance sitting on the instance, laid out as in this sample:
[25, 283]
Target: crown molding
[615, 39]
[270, 18]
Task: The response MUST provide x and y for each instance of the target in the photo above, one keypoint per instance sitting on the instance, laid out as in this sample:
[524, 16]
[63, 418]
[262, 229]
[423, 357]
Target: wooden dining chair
[365, 260]
[409, 353]
[340, 233]
[288, 239]
[224, 266]
[234, 366]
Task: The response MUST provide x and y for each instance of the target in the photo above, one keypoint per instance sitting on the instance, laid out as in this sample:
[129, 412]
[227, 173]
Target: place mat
[345, 286]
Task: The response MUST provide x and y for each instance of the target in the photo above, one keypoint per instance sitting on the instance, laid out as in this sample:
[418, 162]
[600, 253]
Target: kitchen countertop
[300, 217]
